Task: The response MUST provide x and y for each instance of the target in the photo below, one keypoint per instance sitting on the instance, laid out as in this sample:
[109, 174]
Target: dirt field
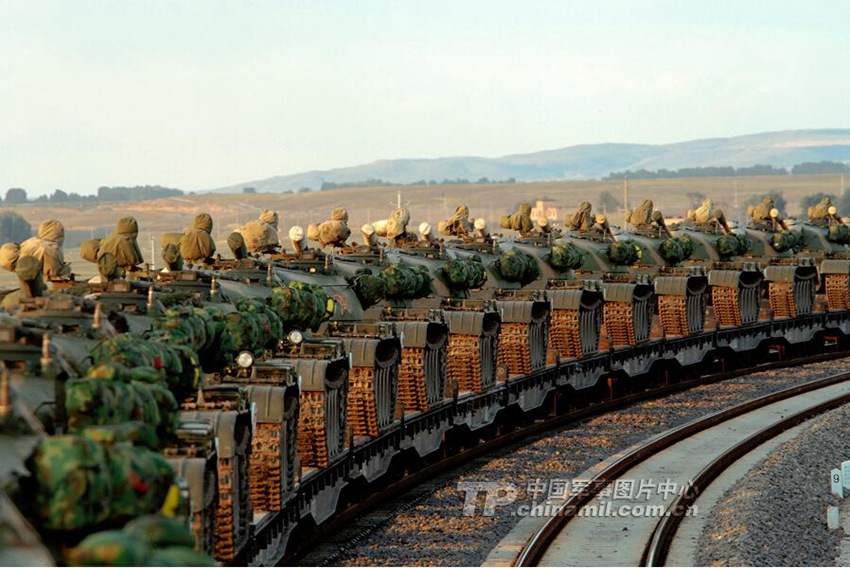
[431, 203]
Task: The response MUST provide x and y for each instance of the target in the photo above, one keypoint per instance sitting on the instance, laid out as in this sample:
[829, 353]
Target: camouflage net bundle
[406, 282]
[733, 244]
[517, 266]
[624, 252]
[839, 234]
[115, 395]
[465, 274]
[370, 289]
[161, 351]
[149, 540]
[81, 483]
[300, 305]
[270, 324]
[677, 249]
[565, 257]
[785, 240]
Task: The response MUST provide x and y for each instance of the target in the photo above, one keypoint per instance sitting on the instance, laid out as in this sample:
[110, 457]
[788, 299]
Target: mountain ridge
[582, 161]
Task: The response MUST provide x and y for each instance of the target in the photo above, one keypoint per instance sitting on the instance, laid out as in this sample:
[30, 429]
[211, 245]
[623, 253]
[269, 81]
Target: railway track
[343, 534]
[591, 527]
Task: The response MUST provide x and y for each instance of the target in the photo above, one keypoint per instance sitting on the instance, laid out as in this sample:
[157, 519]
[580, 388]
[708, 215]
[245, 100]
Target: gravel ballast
[434, 532]
[776, 514]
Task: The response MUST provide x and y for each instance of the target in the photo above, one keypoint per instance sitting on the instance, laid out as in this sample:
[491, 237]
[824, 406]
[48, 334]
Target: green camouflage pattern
[565, 257]
[73, 480]
[140, 480]
[517, 266]
[148, 540]
[785, 240]
[271, 327]
[137, 433]
[838, 234]
[370, 289]
[162, 351]
[103, 402]
[406, 282]
[179, 556]
[676, 249]
[462, 274]
[733, 244]
[624, 252]
[111, 548]
[300, 305]
[245, 330]
[161, 531]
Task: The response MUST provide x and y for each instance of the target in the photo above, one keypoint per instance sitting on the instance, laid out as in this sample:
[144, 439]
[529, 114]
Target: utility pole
[625, 201]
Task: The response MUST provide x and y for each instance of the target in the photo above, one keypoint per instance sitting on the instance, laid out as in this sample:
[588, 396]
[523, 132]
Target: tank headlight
[832, 210]
[295, 337]
[245, 359]
[774, 212]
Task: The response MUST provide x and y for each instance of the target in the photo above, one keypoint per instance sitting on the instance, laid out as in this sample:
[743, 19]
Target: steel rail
[665, 531]
[536, 547]
[411, 480]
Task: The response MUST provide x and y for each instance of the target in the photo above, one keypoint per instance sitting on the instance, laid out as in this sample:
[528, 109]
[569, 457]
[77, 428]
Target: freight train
[281, 386]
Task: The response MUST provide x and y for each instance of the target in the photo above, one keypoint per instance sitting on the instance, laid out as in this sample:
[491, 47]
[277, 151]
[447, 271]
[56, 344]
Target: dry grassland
[426, 203]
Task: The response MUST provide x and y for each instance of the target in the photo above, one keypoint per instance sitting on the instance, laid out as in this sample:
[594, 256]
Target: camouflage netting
[112, 394]
[300, 305]
[624, 252]
[149, 540]
[839, 234]
[733, 244]
[406, 282]
[565, 257]
[517, 266]
[677, 249]
[269, 323]
[465, 274]
[168, 350]
[784, 241]
[81, 483]
[370, 289]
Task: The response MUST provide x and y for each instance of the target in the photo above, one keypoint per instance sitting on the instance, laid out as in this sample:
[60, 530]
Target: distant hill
[587, 161]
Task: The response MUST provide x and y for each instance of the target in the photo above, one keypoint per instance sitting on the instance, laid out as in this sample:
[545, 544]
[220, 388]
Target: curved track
[336, 538]
[690, 456]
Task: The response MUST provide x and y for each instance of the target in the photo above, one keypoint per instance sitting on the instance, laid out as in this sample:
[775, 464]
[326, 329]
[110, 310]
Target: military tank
[739, 262]
[641, 272]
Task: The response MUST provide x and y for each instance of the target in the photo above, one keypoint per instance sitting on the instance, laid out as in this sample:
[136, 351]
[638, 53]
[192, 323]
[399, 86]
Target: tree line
[381, 183]
[824, 167]
[18, 195]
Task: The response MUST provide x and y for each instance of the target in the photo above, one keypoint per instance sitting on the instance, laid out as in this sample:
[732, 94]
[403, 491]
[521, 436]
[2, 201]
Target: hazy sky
[202, 94]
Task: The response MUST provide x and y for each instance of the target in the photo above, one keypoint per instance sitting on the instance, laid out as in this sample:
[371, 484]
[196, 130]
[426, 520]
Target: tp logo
[495, 493]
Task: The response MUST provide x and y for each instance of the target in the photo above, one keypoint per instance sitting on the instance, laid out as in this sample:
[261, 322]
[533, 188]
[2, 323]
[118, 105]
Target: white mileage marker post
[836, 479]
